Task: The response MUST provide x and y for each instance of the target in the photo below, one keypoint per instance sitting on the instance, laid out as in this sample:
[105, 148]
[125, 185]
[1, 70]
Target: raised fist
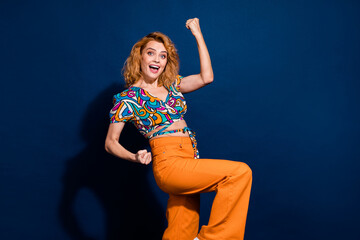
[194, 26]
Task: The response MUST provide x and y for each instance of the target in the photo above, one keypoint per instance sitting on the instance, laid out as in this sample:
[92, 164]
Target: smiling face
[153, 60]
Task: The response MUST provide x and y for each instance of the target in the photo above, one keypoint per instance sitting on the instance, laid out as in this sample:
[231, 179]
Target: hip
[171, 146]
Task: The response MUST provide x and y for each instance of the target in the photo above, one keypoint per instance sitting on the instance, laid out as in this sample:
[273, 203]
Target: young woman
[155, 104]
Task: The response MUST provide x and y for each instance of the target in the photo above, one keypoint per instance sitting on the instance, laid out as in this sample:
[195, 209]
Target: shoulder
[177, 82]
[124, 102]
[126, 95]
[178, 79]
[122, 110]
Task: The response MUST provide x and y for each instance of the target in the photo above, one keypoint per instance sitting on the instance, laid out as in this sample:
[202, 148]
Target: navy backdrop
[284, 100]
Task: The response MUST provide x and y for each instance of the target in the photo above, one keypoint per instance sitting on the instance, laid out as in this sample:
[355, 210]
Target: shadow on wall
[130, 208]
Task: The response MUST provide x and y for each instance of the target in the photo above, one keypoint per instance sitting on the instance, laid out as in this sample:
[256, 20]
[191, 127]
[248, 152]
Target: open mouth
[154, 68]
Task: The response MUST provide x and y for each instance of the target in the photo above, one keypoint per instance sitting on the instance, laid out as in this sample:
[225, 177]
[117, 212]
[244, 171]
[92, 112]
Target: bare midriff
[176, 125]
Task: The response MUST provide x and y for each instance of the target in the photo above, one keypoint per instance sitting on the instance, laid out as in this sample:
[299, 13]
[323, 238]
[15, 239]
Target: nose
[157, 58]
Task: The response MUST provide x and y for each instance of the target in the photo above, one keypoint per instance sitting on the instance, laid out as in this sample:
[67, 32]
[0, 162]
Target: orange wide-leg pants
[184, 178]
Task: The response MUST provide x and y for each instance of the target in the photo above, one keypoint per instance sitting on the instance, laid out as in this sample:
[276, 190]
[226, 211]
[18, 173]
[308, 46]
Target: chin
[152, 76]
[156, 76]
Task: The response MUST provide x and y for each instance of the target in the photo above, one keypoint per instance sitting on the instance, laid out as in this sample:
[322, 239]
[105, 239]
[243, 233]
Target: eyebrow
[155, 50]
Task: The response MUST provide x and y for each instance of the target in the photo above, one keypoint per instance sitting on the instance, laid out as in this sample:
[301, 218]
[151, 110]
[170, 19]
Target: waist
[172, 134]
[169, 140]
[176, 140]
[173, 125]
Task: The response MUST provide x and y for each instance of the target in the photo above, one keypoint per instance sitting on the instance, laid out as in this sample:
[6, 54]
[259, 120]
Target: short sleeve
[122, 110]
[178, 82]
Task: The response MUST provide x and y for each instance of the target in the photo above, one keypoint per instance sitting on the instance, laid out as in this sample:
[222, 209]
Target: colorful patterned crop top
[148, 112]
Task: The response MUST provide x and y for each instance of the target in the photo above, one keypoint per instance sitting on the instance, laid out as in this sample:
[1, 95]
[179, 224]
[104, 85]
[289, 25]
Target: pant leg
[178, 173]
[182, 214]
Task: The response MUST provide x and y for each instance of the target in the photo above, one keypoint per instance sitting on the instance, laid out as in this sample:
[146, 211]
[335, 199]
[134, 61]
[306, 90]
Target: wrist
[200, 39]
[132, 157]
[198, 35]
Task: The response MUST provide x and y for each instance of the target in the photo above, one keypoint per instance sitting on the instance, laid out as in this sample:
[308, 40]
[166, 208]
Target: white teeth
[153, 66]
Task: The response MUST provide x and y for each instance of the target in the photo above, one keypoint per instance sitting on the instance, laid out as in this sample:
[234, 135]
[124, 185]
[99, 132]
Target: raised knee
[244, 170]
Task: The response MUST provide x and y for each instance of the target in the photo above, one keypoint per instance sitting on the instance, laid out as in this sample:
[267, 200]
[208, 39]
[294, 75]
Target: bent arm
[113, 146]
[206, 75]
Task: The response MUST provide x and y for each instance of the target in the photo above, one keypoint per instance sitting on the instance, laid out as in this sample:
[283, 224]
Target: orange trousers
[184, 178]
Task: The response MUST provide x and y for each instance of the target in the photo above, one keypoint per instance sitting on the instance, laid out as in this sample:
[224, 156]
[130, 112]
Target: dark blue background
[284, 100]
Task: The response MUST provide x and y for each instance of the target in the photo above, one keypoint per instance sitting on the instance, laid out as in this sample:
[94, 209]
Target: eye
[163, 56]
[150, 53]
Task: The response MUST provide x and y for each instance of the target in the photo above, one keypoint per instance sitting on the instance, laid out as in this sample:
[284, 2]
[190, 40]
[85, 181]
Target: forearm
[115, 148]
[206, 71]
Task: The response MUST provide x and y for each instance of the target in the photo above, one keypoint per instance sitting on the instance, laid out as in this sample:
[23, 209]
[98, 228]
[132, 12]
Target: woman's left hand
[194, 26]
[143, 157]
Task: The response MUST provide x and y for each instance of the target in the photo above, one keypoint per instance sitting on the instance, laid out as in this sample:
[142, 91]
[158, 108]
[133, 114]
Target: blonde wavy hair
[132, 70]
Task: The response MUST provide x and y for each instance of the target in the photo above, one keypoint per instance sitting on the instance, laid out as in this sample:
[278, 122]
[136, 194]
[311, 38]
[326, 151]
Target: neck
[151, 83]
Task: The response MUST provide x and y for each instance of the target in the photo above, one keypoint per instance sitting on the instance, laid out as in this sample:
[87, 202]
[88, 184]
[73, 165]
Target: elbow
[111, 145]
[107, 146]
[209, 79]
